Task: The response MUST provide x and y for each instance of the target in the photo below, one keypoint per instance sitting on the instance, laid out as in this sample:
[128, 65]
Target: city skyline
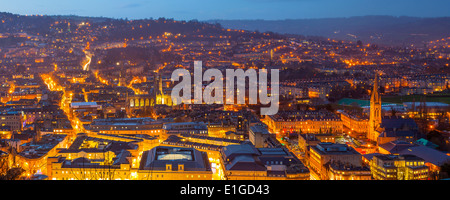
[88, 98]
[248, 9]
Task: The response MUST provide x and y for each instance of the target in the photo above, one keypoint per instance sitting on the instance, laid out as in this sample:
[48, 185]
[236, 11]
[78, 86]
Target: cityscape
[90, 98]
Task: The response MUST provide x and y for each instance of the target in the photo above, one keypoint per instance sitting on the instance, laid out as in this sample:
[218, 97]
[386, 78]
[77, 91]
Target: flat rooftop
[158, 157]
[173, 154]
[83, 104]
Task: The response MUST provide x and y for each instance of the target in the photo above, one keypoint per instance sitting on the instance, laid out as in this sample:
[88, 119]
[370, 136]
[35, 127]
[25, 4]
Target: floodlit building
[327, 159]
[396, 128]
[99, 157]
[83, 108]
[258, 134]
[174, 163]
[398, 167]
[245, 162]
[305, 121]
[307, 140]
[33, 157]
[127, 126]
[433, 158]
[14, 120]
[115, 167]
[375, 112]
[354, 123]
[340, 171]
[186, 127]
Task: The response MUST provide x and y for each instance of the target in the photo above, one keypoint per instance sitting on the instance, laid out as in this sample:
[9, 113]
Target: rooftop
[259, 129]
[273, 160]
[158, 157]
[334, 148]
[396, 146]
[83, 104]
[428, 154]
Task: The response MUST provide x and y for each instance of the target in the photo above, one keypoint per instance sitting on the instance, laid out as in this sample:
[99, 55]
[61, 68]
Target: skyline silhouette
[232, 9]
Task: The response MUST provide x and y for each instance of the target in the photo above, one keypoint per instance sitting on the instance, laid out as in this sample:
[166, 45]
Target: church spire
[375, 111]
[375, 95]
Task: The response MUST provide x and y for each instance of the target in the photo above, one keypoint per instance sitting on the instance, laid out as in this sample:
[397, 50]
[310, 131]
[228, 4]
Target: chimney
[180, 167]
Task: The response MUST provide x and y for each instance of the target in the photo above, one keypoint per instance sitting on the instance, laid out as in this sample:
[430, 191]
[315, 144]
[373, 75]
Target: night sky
[228, 9]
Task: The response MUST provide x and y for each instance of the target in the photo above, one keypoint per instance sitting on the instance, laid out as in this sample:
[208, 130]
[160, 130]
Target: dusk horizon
[231, 19]
[247, 9]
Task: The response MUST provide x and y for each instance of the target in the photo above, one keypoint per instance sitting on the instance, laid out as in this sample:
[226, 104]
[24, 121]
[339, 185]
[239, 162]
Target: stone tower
[375, 112]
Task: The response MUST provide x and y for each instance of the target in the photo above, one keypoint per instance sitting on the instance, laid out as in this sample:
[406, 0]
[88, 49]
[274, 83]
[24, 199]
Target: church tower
[375, 112]
[158, 92]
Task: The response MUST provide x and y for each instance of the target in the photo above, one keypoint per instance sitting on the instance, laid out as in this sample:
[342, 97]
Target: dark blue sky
[229, 9]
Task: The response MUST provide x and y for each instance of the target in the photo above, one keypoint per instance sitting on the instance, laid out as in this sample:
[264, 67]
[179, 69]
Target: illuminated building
[146, 126]
[31, 114]
[245, 162]
[340, 171]
[186, 127]
[294, 92]
[145, 101]
[305, 121]
[219, 129]
[431, 110]
[109, 111]
[323, 155]
[354, 123]
[33, 157]
[258, 134]
[234, 136]
[210, 145]
[100, 157]
[83, 108]
[398, 167]
[210, 140]
[318, 92]
[393, 147]
[433, 158]
[306, 140]
[201, 142]
[14, 120]
[397, 128]
[426, 83]
[65, 131]
[375, 112]
[5, 132]
[177, 141]
[388, 128]
[174, 163]
[82, 168]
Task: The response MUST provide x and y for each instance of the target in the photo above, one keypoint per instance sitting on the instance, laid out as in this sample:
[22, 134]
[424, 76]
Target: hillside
[386, 30]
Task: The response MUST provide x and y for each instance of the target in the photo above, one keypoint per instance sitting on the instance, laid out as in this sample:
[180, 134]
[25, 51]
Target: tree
[393, 112]
[445, 170]
[7, 173]
[359, 43]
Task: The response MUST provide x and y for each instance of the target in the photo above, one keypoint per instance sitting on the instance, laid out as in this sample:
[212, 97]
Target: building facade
[323, 155]
[245, 162]
[305, 122]
[375, 112]
[174, 163]
[398, 167]
[13, 120]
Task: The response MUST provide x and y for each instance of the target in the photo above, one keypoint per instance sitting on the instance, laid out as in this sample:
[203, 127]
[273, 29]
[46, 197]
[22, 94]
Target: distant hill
[109, 29]
[387, 30]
